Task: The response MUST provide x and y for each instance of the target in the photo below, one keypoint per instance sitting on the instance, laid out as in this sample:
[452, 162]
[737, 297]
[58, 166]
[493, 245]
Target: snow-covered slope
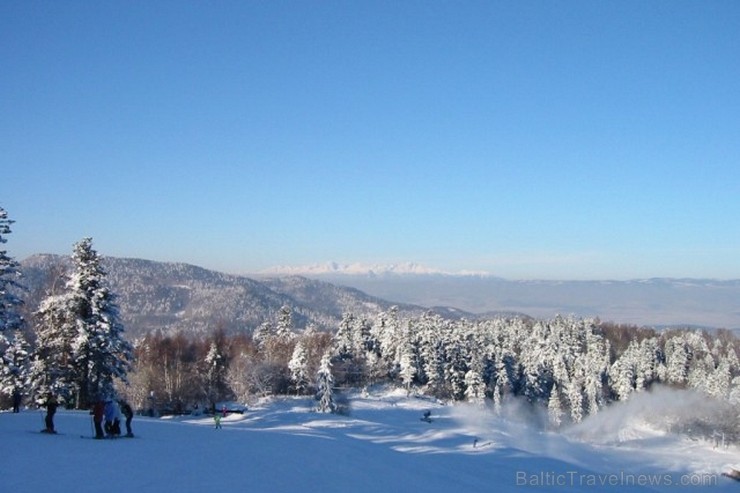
[381, 446]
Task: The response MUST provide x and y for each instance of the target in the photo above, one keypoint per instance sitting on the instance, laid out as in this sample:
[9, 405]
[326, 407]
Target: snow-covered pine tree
[574, 393]
[555, 408]
[101, 354]
[622, 372]
[344, 346]
[455, 361]
[214, 372]
[298, 366]
[284, 328]
[387, 331]
[646, 367]
[263, 334]
[595, 368]
[52, 366]
[719, 382]
[538, 352]
[735, 392]
[475, 388]
[325, 386]
[407, 366]
[678, 358]
[430, 353]
[10, 318]
[16, 365]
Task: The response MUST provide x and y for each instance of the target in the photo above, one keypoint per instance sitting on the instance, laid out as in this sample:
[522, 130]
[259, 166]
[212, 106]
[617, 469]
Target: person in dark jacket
[128, 413]
[17, 398]
[51, 409]
[98, 411]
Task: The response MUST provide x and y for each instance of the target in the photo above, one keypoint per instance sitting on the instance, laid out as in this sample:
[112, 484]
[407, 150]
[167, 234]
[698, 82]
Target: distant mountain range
[657, 302]
[179, 297]
[176, 297]
[360, 269]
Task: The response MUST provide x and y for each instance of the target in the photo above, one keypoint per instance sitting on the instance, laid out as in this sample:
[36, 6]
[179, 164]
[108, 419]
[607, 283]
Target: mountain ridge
[180, 297]
[176, 297]
[359, 268]
[658, 302]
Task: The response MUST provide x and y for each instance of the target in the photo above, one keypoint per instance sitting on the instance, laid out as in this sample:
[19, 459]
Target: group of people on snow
[107, 418]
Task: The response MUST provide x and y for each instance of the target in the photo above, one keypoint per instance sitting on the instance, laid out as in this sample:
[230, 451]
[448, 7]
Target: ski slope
[281, 445]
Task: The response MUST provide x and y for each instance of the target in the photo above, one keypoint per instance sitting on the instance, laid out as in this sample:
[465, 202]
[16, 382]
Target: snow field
[282, 445]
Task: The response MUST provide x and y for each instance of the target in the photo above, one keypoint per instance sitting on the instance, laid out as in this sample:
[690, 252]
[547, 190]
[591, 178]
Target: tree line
[567, 366]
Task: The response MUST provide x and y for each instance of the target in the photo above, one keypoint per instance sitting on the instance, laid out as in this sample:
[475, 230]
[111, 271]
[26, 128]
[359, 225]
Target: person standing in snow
[51, 409]
[112, 418]
[128, 413]
[17, 397]
[98, 411]
[217, 420]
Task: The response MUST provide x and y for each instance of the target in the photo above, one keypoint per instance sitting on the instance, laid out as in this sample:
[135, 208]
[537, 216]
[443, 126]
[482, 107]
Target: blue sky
[531, 139]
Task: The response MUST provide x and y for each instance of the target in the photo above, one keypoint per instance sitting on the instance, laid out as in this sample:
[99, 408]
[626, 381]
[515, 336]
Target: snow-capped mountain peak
[358, 268]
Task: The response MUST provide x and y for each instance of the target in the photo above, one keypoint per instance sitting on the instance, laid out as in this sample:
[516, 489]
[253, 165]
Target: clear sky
[532, 139]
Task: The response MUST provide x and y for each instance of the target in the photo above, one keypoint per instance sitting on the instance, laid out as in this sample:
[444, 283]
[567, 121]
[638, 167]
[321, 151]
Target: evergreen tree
[719, 382]
[474, 388]
[555, 408]
[407, 367]
[101, 353]
[622, 373]
[215, 370]
[431, 354]
[284, 328]
[455, 362]
[344, 345]
[52, 366]
[387, 332]
[574, 394]
[647, 361]
[325, 386]
[263, 335]
[678, 356]
[595, 370]
[298, 366]
[80, 344]
[17, 365]
[10, 318]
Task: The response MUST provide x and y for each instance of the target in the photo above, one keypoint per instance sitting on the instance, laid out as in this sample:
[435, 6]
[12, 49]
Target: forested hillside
[174, 297]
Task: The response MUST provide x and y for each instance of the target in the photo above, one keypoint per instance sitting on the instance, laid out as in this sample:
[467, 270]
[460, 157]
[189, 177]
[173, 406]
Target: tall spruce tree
[52, 368]
[80, 349]
[298, 366]
[16, 366]
[214, 370]
[101, 354]
[325, 386]
[10, 318]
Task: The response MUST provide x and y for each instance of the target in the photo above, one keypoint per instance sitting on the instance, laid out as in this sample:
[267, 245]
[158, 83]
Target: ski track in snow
[382, 446]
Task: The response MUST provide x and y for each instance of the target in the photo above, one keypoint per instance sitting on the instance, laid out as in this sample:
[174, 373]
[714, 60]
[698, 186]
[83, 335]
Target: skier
[17, 397]
[128, 413]
[98, 411]
[112, 419]
[51, 409]
[217, 420]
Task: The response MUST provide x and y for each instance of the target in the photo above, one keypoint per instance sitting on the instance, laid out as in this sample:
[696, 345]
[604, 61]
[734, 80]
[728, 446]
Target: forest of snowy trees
[74, 349]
